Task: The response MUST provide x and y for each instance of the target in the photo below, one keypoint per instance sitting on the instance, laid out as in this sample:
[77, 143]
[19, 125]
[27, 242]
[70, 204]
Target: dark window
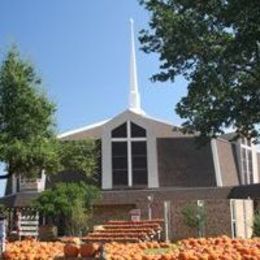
[120, 131]
[139, 177]
[139, 148]
[244, 165]
[250, 162]
[250, 167]
[119, 163]
[137, 131]
[139, 163]
[244, 154]
[120, 178]
[119, 149]
[247, 165]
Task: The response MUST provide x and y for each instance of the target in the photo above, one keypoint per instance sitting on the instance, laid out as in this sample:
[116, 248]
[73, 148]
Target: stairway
[126, 231]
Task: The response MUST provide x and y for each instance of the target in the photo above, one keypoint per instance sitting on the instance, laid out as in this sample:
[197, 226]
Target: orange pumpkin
[7, 255]
[89, 249]
[71, 250]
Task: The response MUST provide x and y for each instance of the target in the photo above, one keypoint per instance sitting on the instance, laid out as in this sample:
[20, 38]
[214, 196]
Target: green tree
[28, 142]
[256, 224]
[194, 216]
[71, 201]
[3, 211]
[79, 156]
[77, 223]
[26, 119]
[215, 45]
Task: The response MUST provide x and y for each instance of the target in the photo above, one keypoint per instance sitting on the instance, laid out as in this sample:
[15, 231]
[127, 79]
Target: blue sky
[81, 50]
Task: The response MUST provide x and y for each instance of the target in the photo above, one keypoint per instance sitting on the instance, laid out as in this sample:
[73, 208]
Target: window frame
[116, 169]
[129, 139]
[248, 176]
[116, 131]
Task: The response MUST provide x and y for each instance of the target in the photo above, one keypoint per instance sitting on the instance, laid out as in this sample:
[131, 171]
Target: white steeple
[134, 96]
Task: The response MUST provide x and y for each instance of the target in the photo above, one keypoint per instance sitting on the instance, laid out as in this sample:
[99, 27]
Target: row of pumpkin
[35, 250]
[218, 248]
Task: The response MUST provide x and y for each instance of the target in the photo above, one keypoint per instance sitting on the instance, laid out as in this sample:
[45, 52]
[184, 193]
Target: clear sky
[81, 49]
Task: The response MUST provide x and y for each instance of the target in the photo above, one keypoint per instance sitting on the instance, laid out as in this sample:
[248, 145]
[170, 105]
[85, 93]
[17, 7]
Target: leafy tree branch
[215, 46]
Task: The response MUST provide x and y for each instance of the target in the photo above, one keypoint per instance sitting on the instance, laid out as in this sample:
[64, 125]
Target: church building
[139, 151]
[146, 161]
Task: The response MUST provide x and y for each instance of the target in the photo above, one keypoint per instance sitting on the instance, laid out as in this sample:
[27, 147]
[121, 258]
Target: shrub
[256, 224]
[194, 216]
[71, 201]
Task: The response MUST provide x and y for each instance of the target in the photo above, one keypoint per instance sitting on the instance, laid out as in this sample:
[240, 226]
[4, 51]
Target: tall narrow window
[129, 155]
[247, 162]
[139, 163]
[119, 163]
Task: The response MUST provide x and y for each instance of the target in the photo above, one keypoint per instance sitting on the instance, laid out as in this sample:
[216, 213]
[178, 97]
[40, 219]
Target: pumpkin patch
[32, 249]
[218, 248]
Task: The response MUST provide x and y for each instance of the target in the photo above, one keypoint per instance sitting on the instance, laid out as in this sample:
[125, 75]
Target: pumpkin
[8, 255]
[89, 249]
[71, 250]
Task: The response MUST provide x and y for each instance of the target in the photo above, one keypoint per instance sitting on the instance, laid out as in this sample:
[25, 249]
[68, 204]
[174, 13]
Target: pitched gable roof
[159, 127]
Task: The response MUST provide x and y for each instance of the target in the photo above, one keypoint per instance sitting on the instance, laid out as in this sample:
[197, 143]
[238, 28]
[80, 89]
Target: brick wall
[103, 213]
[182, 163]
[217, 216]
[117, 204]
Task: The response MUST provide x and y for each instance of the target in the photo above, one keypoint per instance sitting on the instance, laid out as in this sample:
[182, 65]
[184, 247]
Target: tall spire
[134, 96]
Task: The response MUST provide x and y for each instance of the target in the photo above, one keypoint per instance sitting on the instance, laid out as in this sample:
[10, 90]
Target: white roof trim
[82, 129]
[98, 124]
[145, 116]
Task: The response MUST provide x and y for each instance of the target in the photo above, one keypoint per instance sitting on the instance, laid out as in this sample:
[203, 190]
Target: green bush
[70, 201]
[194, 216]
[256, 225]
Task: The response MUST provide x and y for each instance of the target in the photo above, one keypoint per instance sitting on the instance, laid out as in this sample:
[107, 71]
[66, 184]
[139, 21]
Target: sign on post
[135, 214]
[150, 201]
[201, 217]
